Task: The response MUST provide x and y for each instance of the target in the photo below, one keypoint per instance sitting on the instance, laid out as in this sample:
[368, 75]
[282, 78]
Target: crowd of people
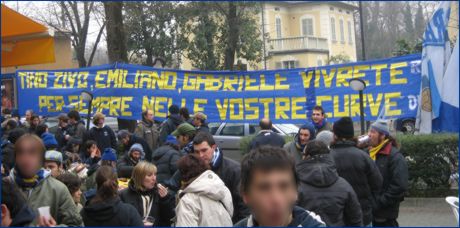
[174, 174]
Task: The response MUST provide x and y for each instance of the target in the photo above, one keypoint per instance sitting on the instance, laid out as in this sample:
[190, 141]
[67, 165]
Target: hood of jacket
[161, 151]
[318, 171]
[103, 211]
[210, 185]
[176, 119]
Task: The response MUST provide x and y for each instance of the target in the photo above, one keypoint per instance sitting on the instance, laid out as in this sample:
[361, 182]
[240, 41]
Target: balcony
[298, 44]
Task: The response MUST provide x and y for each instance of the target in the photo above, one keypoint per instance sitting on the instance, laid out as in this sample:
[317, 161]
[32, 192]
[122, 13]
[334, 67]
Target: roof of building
[342, 4]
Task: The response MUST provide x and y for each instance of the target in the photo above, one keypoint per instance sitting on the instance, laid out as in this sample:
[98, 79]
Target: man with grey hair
[326, 137]
[128, 140]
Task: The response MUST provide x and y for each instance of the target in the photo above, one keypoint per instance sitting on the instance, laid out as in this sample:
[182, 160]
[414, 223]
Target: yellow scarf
[373, 151]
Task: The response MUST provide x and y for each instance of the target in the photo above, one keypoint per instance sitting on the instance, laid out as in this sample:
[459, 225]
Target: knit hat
[381, 126]
[173, 109]
[52, 155]
[343, 128]
[171, 139]
[184, 129]
[109, 155]
[326, 137]
[136, 147]
[49, 140]
[310, 128]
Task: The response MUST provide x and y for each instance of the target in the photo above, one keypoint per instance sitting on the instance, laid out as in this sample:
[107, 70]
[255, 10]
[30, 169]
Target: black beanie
[343, 128]
[173, 109]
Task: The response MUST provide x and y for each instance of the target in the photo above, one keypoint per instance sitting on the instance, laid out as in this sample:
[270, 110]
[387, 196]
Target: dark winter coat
[393, 167]
[322, 191]
[125, 166]
[24, 217]
[265, 138]
[169, 126]
[60, 136]
[300, 218]
[7, 155]
[361, 172]
[134, 139]
[165, 158]
[104, 137]
[162, 208]
[203, 128]
[78, 130]
[111, 213]
[149, 132]
[230, 172]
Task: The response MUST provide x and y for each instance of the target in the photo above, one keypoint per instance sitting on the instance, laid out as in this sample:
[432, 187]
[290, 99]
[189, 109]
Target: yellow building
[303, 34]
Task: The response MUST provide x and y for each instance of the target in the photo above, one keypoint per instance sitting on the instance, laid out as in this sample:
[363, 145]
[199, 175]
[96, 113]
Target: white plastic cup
[363, 139]
[45, 212]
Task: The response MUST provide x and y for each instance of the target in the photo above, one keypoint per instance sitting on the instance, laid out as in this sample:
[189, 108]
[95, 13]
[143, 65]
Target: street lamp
[87, 96]
[359, 85]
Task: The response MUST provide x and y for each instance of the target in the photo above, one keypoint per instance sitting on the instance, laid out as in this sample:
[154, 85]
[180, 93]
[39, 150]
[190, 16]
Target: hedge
[431, 160]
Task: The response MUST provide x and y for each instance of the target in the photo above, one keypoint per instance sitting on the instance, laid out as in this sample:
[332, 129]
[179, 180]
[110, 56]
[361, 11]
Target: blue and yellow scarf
[29, 182]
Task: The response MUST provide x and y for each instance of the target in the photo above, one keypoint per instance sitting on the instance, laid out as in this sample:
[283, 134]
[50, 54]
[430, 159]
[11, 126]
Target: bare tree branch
[101, 30]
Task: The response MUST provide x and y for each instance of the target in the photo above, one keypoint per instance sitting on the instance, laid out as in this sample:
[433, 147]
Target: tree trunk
[116, 46]
[232, 36]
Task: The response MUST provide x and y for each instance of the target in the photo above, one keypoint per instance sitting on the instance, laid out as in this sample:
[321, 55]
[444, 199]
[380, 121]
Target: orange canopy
[24, 41]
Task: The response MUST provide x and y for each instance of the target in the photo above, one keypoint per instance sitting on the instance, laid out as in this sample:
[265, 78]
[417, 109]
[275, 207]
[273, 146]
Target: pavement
[426, 212]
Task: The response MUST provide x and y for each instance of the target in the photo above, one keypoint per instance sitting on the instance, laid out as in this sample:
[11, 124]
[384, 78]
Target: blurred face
[100, 123]
[304, 136]
[28, 115]
[196, 121]
[136, 155]
[375, 138]
[77, 196]
[150, 180]
[125, 140]
[53, 167]
[36, 121]
[205, 151]
[149, 115]
[72, 121]
[317, 116]
[271, 196]
[182, 140]
[29, 155]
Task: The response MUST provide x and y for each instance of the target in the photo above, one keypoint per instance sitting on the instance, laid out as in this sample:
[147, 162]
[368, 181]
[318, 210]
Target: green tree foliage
[340, 58]
[222, 33]
[152, 30]
[405, 47]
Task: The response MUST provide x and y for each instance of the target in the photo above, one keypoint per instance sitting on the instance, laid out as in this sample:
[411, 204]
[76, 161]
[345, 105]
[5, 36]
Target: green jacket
[53, 193]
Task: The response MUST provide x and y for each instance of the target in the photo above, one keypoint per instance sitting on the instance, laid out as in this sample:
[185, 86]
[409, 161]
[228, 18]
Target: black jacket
[60, 136]
[104, 137]
[393, 167]
[267, 138]
[300, 218]
[163, 209]
[361, 172]
[322, 191]
[165, 158]
[24, 217]
[125, 166]
[134, 139]
[230, 172]
[169, 126]
[203, 128]
[7, 155]
[111, 213]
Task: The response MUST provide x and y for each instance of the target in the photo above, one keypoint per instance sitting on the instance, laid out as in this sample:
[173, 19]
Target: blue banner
[285, 96]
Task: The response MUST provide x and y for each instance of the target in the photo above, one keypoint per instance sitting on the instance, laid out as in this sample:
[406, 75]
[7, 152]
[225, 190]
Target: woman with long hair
[106, 208]
[204, 200]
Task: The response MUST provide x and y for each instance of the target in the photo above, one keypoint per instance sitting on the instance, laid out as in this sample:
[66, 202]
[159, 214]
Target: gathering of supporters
[175, 174]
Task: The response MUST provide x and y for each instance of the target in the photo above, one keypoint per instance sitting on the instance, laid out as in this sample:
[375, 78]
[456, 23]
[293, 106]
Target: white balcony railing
[298, 43]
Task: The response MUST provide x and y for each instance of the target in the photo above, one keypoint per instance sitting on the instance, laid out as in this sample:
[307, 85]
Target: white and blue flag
[435, 57]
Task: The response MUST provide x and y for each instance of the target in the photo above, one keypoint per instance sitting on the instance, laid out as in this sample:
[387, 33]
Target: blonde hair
[141, 170]
[97, 117]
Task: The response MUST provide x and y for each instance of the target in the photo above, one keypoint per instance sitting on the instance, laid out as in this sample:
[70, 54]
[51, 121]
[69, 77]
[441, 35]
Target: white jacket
[205, 202]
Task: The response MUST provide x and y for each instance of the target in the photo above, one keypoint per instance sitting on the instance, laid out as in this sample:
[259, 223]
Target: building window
[307, 27]
[290, 64]
[342, 35]
[333, 37]
[278, 27]
[350, 37]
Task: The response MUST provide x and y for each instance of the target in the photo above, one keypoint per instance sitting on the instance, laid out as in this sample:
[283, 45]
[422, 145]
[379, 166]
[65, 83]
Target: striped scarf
[29, 182]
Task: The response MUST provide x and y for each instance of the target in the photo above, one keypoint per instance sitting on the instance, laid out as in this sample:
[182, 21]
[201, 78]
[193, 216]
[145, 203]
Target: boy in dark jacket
[102, 134]
[269, 188]
[393, 167]
[355, 166]
[322, 191]
[168, 126]
[266, 136]
[165, 158]
[125, 164]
